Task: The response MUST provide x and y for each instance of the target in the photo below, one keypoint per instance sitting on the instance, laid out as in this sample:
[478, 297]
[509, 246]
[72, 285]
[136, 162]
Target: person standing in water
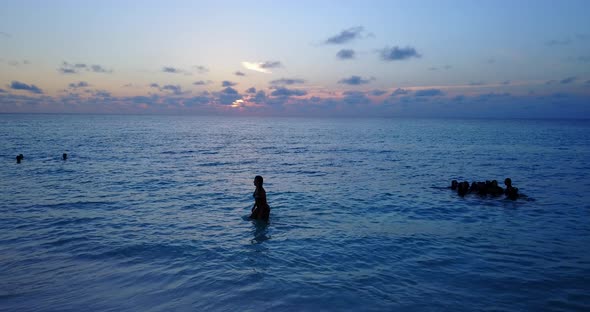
[261, 209]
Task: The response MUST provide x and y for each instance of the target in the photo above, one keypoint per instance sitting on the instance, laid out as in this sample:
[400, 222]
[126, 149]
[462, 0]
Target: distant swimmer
[261, 209]
[494, 189]
[454, 185]
[19, 158]
[64, 156]
[463, 188]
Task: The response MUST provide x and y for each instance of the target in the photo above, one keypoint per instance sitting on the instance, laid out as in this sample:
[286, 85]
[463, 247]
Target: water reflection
[259, 231]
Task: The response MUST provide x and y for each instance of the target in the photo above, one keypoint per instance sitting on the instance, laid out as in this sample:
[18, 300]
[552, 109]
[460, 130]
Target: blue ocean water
[149, 214]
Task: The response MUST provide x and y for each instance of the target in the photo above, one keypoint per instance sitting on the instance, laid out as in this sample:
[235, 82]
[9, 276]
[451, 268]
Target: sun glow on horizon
[237, 103]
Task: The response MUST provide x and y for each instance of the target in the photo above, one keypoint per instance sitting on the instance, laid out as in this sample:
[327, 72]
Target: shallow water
[148, 214]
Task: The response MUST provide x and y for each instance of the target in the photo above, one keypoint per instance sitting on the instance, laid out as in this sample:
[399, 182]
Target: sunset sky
[496, 59]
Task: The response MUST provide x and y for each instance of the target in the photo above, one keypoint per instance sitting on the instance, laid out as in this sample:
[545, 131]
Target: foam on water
[148, 214]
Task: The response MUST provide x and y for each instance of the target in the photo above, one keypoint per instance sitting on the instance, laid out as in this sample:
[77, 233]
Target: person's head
[463, 188]
[508, 182]
[454, 184]
[258, 180]
[494, 183]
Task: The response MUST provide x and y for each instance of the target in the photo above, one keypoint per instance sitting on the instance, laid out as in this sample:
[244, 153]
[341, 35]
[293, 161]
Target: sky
[481, 59]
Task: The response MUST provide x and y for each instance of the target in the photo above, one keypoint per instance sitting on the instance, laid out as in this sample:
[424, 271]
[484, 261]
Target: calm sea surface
[149, 214]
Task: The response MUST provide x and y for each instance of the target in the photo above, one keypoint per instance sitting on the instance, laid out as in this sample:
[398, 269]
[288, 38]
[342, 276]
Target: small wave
[74, 205]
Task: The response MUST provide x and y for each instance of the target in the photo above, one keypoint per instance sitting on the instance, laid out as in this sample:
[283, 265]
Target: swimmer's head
[258, 180]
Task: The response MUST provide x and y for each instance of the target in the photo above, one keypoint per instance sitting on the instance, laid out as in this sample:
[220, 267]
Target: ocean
[149, 213]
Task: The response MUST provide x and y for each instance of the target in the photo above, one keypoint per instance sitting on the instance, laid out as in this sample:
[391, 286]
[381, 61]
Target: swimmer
[473, 188]
[64, 156]
[463, 188]
[510, 192]
[454, 185]
[19, 158]
[261, 209]
[494, 189]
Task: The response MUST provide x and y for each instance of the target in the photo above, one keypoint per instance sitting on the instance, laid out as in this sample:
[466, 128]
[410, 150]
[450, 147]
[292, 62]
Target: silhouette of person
[454, 185]
[261, 209]
[494, 189]
[511, 191]
[19, 158]
[64, 156]
[463, 188]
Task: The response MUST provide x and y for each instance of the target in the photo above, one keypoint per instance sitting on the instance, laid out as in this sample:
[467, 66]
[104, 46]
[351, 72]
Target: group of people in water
[486, 188]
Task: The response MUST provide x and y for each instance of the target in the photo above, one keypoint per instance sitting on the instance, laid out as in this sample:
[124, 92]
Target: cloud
[355, 98]
[477, 83]
[175, 89]
[400, 91]
[557, 42]
[227, 83]
[260, 97]
[102, 93]
[68, 68]
[506, 82]
[262, 67]
[377, 92]
[201, 69]
[284, 92]
[239, 73]
[568, 80]
[228, 95]
[99, 69]
[270, 64]
[345, 54]
[347, 104]
[172, 70]
[346, 35]
[429, 92]
[80, 84]
[251, 90]
[229, 90]
[355, 80]
[287, 81]
[398, 54]
[17, 85]
[202, 82]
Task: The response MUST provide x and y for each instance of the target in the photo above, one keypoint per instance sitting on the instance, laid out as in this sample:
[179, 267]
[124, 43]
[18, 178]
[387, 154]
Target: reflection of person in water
[261, 209]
